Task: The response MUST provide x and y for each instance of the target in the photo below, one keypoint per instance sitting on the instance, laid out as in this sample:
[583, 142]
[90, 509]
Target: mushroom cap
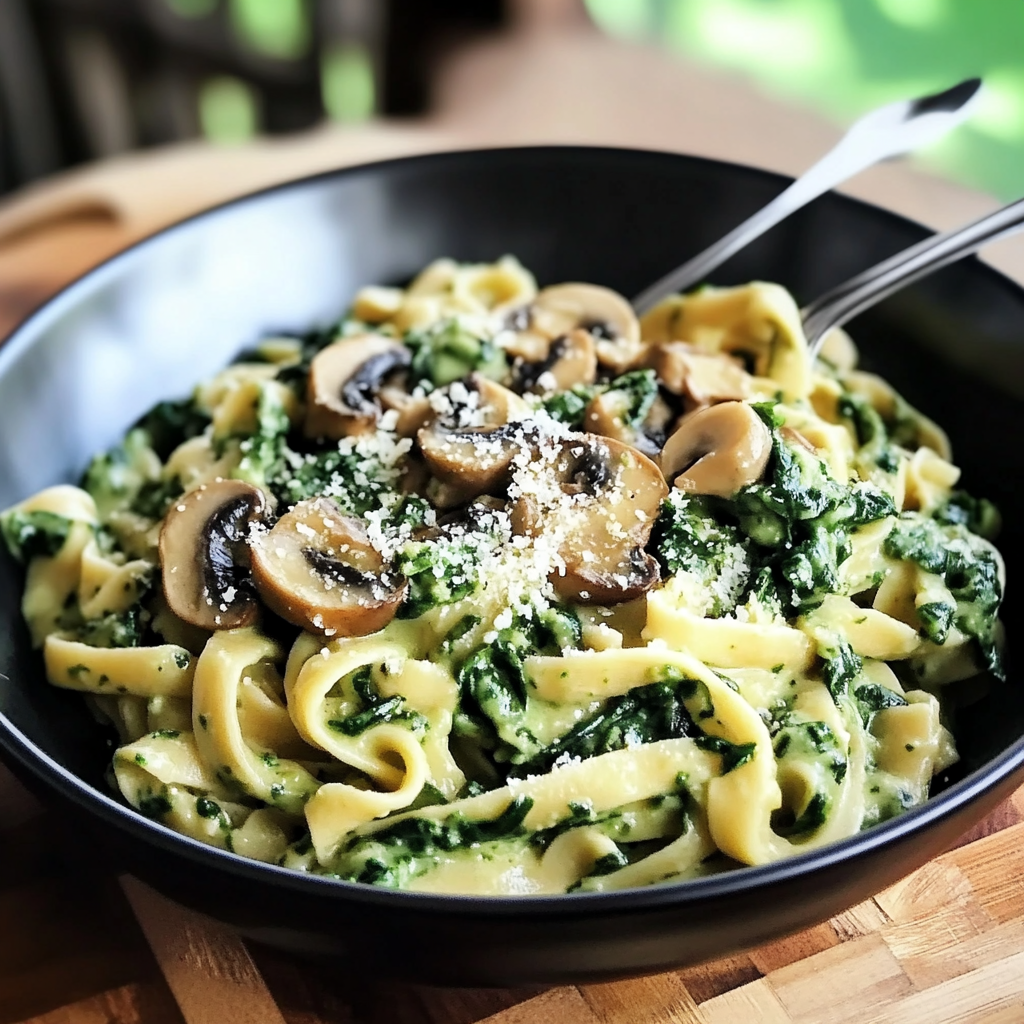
[611, 494]
[318, 570]
[476, 458]
[604, 313]
[717, 450]
[204, 557]
[569, 360]
[413, 411]
[608, 585]
[344, 379]
[703, 378]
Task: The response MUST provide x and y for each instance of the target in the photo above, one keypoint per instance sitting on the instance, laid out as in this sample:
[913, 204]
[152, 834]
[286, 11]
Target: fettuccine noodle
[502, 591]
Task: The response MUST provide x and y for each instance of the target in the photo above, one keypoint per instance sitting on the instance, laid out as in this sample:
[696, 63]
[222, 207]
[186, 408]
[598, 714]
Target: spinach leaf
[873, 697]
[376, 710]
[30, 535]
[734, 755]
[644, 714]
[688, 538]
[840, 666]
[169, 424]
[640, 389]
[978, 515]
[447, 351]
[969, 567]
[569, 406]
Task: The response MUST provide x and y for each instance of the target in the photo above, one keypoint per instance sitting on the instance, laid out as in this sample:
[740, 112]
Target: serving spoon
[889, 131]
[851, 297]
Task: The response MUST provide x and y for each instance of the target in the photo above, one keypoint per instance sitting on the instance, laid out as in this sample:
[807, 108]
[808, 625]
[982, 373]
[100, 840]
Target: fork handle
[859, 293]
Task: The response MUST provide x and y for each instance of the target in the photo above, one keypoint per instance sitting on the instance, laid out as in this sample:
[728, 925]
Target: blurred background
[82, 80]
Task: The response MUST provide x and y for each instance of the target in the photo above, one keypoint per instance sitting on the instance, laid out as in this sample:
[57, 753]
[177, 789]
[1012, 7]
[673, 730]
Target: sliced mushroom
[471, 449]
[569, 360]
[717, 450]
[609, 415]
[413, 411]
[317, 569]
[703, 379]
[610, 497]
[605, 314]
[344, 381]
[204, 556]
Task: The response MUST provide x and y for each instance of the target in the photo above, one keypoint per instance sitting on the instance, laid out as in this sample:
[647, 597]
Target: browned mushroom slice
[413, 411]
[611, 497]
[717, 450]
[704, 379]
[344, 381]
[204, 557]
[570, 360]
[600, 311]
[633, 574]
[473, 457]
[317, 569]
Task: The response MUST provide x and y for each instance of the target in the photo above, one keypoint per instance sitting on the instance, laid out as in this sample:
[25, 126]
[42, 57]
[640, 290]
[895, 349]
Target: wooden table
[944, 945]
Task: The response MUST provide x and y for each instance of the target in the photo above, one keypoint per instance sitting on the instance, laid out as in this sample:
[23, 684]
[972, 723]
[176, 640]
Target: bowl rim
[63, 784]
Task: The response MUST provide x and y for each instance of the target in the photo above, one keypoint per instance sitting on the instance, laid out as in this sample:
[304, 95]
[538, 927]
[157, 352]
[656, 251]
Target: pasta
[497, 590]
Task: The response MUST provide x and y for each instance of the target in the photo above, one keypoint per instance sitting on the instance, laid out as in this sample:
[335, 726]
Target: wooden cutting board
[944, 945]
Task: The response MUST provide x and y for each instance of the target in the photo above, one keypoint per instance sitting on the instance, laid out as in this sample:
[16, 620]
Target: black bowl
[154, 320]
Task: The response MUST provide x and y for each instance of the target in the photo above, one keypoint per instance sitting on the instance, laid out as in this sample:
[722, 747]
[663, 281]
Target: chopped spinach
[207, 808]
[812, 817]
[814, 740]
[687, 537]
[376, 710]
[30, 535]
[448, 351]
[263, 452]
[969, 568]
[494, 681]
[873, 697]
[440, 571]
[116, 629]
[569, 406]
[609, 862]
[169, 424]
[356, 482]
[936, 619]
[797, 484]
[155, 805]
[154, 497]
[872, 435]
[387, 856]
[644, 714]
[978, 515]
[734, 755]
[798, 521]
[115, 477]
[840, 666]
[640, 389]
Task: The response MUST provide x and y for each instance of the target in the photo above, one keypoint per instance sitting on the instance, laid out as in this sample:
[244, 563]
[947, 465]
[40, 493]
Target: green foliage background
[842, 57]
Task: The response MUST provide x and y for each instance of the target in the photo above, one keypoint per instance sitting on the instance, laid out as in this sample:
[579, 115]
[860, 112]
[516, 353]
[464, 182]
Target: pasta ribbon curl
[227, 658]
